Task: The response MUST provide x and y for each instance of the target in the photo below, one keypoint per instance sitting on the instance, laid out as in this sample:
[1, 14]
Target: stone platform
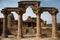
[29, 39]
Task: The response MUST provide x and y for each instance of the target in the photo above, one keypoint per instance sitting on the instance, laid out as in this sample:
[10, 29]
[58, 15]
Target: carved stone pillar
[26, 27]
[19, 35]
[5, 29]
[4, 26]
[38, 23]
[54, 22]
[54, 26]
[10, 19]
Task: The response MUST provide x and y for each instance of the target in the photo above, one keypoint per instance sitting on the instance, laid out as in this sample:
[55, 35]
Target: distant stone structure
[37, 9]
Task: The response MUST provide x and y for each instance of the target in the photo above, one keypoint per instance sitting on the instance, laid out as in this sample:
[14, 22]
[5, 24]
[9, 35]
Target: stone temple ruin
[31, 25]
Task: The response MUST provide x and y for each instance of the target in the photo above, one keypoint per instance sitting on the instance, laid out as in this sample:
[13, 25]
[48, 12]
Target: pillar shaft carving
[54, 23]
[19, 35]
[4, 26]
[10, 21]
[54, 30]
[38, 35]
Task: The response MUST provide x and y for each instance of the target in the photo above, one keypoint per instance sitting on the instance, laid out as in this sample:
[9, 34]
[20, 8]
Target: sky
[44, 3]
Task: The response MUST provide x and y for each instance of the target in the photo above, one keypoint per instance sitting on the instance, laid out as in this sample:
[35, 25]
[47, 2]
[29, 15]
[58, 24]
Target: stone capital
[5, 12]
[19, 13]
[22, 10]
[53, 12]
[38, 11]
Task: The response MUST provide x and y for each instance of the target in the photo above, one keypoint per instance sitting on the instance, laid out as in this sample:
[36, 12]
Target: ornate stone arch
[53, 11]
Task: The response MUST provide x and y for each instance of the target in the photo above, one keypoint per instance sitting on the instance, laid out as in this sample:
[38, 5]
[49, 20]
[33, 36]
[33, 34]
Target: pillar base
[38, 35]
[54, 38]
[4, 36]
[19, 37]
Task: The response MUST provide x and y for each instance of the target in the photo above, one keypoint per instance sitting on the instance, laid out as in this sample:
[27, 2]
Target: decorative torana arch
[21, 9]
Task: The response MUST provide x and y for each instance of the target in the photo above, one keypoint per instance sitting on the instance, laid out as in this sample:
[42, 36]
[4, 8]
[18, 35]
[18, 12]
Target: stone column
[10, 21]
[38, 35]
[19, 35]
[5, 29]
[4, 26]
[54, 26]
[31, 24]
[45, 23]
[26, 27]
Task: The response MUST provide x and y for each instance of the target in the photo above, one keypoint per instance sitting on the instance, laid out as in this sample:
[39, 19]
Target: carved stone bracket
[5, 12]
[53, 12]
[21, 10]
[38, 11]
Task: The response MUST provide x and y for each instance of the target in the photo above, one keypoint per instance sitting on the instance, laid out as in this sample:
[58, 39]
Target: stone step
[29, 39]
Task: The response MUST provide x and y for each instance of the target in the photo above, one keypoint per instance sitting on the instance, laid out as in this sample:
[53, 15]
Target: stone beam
[48, 9]
[29, 2]
[15, 9]
[33, 4]
[11, 8]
